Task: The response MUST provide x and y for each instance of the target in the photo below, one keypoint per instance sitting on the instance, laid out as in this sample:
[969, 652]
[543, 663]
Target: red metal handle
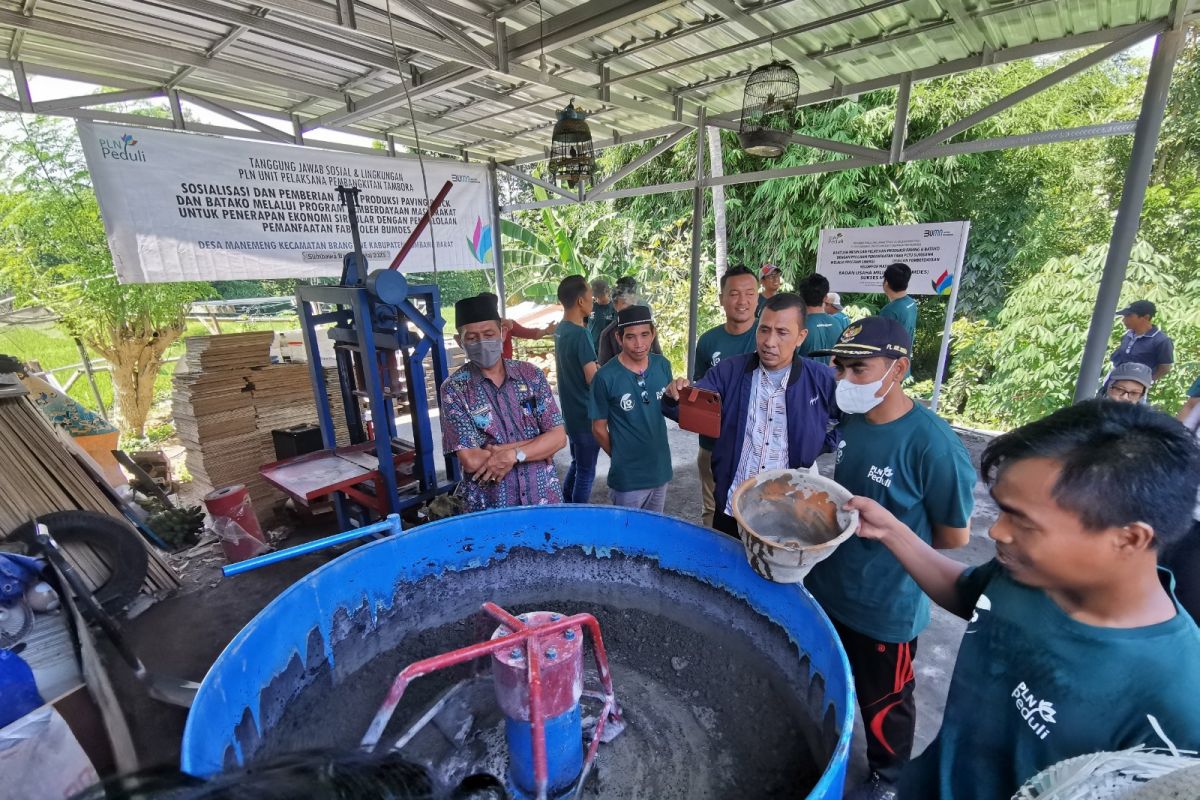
[425, 219]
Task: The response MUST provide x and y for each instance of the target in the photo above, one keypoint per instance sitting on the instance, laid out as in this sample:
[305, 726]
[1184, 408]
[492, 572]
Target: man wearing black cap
[627, 417]
[902, 455]
[626, 295]
[775, 405]
[1143, 342]
[499, 417]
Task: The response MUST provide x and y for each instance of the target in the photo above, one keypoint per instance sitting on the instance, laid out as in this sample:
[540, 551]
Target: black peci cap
[634, 315]
[480, 308]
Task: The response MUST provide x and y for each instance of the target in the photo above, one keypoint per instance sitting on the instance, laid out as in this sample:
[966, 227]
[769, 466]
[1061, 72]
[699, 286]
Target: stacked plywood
[214, 409]
[228, 398]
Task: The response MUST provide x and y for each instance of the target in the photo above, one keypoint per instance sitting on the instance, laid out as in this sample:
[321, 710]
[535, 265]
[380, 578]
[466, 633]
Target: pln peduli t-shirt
[918, 469]
[824, 330]
[1032, 687]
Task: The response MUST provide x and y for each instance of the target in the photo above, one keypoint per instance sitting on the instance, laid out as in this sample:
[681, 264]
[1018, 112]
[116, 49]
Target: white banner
[853, 259]
[182, 206]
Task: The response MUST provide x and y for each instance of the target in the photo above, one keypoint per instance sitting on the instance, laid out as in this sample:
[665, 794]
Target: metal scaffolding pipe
[497, 252]
[1129, 212]
[697, 243]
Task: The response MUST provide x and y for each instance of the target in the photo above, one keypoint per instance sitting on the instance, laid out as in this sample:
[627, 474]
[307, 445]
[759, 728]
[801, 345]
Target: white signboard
[853, 259]
[181, 206]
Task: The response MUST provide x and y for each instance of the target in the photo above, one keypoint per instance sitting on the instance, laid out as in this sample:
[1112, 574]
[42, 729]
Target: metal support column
[497, 252]
[1133, 195]
[697, 242]
[91, 376]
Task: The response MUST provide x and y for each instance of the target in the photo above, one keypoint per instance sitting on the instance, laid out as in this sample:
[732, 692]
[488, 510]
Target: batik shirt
[476, 413]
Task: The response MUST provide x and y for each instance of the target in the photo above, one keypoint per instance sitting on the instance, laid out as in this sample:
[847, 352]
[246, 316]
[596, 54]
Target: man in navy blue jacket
[775, 405]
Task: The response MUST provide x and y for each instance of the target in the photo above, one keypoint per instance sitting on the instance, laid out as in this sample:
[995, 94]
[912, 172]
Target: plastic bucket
[235, 522]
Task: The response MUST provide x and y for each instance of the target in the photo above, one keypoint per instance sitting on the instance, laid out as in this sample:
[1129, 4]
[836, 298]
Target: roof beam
[1041, 84]
[101, 99]
[547, 185]
[754, 27]
[211, 52]
[640, 161]
[390, 98]
[417, 9]
[830, 145]
[581, 22]
[824, 22]
[129, 44]
[236, 116]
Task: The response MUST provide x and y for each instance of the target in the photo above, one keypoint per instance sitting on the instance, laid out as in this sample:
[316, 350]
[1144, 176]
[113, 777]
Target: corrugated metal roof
[638, 65]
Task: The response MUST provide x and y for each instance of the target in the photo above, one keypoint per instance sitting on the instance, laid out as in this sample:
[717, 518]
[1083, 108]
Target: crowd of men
[1074, 603]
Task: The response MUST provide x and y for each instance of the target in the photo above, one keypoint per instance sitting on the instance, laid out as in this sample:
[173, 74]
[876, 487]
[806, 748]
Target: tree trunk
[134, 362]
[717, 166]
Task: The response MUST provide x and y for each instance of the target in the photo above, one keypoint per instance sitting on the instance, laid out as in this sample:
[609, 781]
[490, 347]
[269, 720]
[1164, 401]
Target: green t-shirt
[641, 457]
[1032, 687]
[904, 311]
[711, 347]
[602, 317]
[1194, 390]
[916, 468]
[824, 330]
[573, 349]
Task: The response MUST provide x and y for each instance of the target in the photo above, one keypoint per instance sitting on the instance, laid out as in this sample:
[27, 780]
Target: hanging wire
[542, 40]
[412, 117]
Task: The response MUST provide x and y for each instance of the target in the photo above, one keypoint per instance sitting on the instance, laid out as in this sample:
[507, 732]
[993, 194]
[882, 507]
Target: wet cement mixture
[718, 701]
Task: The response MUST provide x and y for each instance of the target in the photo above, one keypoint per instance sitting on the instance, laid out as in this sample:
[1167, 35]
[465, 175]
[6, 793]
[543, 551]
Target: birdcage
[767, 104]
[572, 159]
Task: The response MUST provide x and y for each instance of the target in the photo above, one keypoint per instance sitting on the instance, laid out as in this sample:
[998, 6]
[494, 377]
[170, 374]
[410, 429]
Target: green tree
[53, 253]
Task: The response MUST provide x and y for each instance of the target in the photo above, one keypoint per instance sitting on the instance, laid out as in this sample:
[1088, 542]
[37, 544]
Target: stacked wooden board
[40, 473]
[228, 398]
[214, 409]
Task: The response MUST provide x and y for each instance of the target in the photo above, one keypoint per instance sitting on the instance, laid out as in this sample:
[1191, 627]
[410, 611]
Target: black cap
[872, 337]
[634, 315]
[1143, 308]
[480, 308]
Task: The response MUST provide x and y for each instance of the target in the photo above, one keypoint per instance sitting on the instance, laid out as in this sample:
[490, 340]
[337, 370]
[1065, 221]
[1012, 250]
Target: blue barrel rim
[553, 535]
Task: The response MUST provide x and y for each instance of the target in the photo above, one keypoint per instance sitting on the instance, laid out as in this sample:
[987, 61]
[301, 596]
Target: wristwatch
[520, 456]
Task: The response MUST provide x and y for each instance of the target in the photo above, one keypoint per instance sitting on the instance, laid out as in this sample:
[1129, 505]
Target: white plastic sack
[41, 759]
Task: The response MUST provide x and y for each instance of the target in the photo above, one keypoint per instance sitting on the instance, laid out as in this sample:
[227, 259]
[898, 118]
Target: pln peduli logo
[943, 284]
[121, 149]
[481, 242]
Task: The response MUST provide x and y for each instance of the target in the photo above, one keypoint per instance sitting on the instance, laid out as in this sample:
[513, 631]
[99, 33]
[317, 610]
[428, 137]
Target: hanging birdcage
[767, 104]
[572, 159]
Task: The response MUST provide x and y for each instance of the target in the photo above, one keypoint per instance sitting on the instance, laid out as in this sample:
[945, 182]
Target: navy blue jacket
[810, 404]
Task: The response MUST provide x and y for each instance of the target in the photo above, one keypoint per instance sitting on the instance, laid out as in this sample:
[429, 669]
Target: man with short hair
[603, 311]
[739, 290]
[900, 306]
[1129, 383]
[823, 329]
[627, 416]
[775, 406]
[575, 366]
[626, 295]
[772, 280]
[499, 417]
[1143, 342]
[907, 459]
[833, 307]
[1075, 644]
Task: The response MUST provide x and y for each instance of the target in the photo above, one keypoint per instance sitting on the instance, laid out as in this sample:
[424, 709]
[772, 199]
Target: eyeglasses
[641, 382]
[1125, 394]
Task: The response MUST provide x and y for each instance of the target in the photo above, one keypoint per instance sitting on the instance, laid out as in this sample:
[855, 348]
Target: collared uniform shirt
[476, 413]
[764, 445]
[1153, 348]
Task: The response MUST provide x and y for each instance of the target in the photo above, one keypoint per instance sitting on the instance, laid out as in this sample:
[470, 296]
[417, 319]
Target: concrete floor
[184, 634]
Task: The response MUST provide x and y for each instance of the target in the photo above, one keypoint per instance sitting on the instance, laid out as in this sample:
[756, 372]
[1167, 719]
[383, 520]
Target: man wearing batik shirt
[499, 417]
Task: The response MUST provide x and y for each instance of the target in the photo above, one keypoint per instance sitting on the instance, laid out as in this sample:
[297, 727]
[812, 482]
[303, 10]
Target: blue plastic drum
[730, 685]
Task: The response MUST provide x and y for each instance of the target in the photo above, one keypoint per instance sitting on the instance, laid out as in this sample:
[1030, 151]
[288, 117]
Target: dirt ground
[184, 634]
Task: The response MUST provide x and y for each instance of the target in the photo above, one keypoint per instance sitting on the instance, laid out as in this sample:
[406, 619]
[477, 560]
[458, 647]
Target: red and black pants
[884, 680]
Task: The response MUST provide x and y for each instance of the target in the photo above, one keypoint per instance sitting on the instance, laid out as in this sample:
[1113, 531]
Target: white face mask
[859, 398]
